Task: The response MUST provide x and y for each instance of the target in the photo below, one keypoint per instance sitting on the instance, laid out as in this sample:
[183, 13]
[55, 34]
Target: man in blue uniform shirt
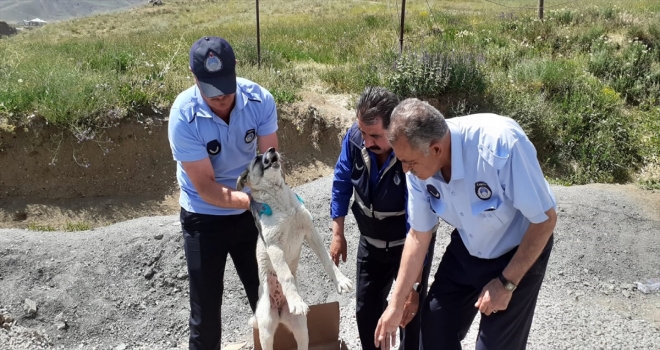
[215, 129]
[368, 168]
[480, 174]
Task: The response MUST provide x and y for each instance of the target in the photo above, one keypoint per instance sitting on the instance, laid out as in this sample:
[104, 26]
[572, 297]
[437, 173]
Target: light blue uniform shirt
[496, 188]
[195, 133]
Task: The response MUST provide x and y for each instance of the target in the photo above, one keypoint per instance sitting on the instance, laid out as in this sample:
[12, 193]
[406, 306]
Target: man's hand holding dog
[338, 245]
[255, 207]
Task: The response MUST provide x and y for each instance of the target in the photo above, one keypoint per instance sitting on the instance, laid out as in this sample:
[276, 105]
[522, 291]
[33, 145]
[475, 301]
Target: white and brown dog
[283, 226]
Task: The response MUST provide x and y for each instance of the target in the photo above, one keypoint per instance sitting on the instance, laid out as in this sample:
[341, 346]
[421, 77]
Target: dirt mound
[50, 176]
[6, 29]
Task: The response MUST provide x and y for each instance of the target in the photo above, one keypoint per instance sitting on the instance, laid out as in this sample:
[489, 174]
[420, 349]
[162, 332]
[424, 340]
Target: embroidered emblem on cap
[212, 63]
[397, 179]
[249, 136]
[433, 191]
[482, 190]
[213, 147]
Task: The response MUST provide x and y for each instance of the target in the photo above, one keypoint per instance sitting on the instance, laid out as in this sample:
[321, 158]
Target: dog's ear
[240, 182]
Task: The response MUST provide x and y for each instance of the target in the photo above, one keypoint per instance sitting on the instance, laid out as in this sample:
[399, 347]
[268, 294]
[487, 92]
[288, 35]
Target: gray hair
[376, 103]
[419, 122]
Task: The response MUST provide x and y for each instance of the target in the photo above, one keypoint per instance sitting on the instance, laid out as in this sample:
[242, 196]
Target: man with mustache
[368, 167]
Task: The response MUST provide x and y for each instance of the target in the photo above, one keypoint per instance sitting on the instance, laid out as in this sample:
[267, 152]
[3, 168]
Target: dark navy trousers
[376, 270]
[449, 308]
[208, 239]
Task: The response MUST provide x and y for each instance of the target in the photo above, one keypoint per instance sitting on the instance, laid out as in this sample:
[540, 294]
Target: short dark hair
[376, 103]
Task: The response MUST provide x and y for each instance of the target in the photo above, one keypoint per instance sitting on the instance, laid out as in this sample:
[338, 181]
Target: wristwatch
[417, 287]
[507, 284]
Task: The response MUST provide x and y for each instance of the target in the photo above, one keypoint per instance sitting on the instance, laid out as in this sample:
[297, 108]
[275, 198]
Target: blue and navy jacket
[380, 195]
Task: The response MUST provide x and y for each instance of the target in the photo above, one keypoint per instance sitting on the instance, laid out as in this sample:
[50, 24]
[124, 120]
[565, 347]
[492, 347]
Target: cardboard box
[322, 326]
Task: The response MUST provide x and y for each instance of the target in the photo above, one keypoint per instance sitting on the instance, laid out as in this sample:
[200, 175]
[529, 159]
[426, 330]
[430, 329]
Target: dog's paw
[297, 306]
[344, 285]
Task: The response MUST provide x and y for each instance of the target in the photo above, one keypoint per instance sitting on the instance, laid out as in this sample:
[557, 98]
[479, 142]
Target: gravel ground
[125, 286]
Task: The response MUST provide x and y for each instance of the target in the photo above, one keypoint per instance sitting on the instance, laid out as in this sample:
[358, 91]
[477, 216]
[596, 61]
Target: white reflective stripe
[392, 162]
[378, 243]
[367, 161]
[383, 215]
[380, 215]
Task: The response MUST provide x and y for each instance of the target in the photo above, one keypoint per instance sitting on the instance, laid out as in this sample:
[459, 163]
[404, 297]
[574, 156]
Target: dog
[283, 224]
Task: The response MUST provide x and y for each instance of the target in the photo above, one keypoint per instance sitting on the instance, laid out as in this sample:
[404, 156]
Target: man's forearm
[225, 197]
[412, 260]
[530, 248]
[338, 226]
[419, 276]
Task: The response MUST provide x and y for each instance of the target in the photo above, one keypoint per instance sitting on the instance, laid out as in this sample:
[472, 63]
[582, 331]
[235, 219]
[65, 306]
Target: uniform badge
[359, 165]
[249, 136]
[212, 63]
[213, 147]
[482, 190]
[433, 191]
[397, 179]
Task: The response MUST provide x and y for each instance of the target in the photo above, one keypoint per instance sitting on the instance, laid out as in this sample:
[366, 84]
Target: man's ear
[436, 147]
[242, 180]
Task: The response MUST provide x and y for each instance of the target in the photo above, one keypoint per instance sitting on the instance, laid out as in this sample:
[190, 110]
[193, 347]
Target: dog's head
[263, 172]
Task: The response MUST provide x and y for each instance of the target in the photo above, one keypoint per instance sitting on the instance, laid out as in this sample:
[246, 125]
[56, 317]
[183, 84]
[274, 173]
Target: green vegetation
[584, 82]
[67, 227]
[37, 227]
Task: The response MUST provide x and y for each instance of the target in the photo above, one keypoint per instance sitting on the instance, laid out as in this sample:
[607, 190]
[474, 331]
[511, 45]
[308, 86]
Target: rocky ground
[124, 286]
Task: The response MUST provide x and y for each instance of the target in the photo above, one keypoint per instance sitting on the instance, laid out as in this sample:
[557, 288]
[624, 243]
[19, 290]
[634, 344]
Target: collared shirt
[496, 188]
[195, 133]
[342, 188]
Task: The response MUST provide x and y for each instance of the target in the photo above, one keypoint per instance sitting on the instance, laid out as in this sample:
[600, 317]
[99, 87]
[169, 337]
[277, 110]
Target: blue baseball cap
[213, 62]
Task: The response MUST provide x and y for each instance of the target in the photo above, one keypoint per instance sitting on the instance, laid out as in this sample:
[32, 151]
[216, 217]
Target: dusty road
[125, 286]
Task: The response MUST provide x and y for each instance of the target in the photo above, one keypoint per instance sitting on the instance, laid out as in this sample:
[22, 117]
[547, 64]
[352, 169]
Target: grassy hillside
[585, 82]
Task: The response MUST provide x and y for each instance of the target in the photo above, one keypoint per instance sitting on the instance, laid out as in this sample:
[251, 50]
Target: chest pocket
[492, 214]
[437, 205]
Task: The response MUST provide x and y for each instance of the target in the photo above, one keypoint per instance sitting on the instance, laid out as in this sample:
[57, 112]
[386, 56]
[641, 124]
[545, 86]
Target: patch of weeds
[37, 227]
[652, 184]
[549, 77]
[586, 39]
[352, 78]
[596, 134]
[566, 17]
[420, 74]
[284, 96]
[630, 71]
[466, 75]
[77, 226]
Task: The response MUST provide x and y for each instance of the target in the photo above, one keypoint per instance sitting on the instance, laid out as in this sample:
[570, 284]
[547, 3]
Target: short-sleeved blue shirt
[496, 188]
[195, 133]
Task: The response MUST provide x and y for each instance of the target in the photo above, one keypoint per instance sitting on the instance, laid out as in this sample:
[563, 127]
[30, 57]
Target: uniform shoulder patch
[397, 179]
[213, 147]
[433, 191]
